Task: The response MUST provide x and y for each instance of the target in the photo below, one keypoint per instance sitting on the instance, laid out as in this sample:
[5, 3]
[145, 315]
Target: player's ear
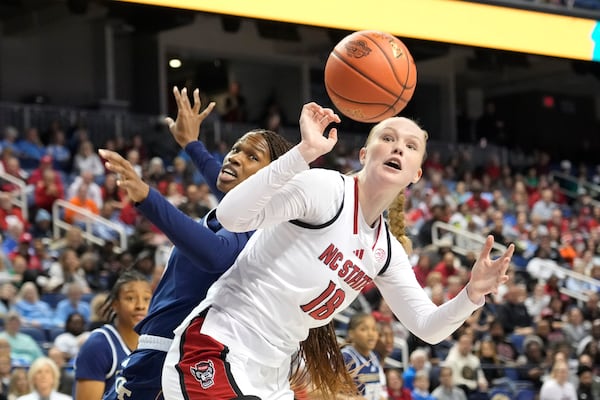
[362, 154]
[418, 176]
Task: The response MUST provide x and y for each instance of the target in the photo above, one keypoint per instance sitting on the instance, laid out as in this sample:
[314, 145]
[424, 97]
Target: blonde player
[322, 239]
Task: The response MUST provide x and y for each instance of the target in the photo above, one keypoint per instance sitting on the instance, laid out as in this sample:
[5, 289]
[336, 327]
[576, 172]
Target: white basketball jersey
[293, 277]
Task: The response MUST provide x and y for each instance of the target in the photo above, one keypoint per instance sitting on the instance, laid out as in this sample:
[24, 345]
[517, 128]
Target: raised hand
[186, 128]
[313, 121]
[488, 274]
[128, 179]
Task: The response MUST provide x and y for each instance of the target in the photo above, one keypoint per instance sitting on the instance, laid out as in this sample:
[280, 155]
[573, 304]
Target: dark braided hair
[127, 276]
[278, 145]
[324, 368]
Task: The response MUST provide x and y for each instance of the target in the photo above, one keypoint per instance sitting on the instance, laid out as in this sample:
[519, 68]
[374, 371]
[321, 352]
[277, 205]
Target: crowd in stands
[50, 288]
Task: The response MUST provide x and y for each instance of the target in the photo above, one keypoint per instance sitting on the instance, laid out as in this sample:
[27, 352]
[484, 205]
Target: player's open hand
[186, 128]
[487, 274]
[128, 179]
[314, 119]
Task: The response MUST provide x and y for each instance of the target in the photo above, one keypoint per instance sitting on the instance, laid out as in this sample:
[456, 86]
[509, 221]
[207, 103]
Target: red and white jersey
[296, 275]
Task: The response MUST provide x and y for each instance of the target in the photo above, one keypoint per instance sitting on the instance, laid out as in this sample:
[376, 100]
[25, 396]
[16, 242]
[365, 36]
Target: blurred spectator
[94, 191]
[421, 387]
[86, 159]
[506, 351]
[44, 378]
[111, 193]
[69, 342]
[589, 385]
[532, 365]
[422, 269]
[418, 361]
[42, 226]
[513, 313]
[133, 156]
[233, 107]
[538, 300]
[477, 201]
[109, 233]
[8, 209]
[395, 385]
[575, 328]
[192, 204]
[67, 377]
[137, 144]
[97, 311]
[19, 385]
[47, 190]
[544, 207]
[9, 139]
[466, 367]
[447, 390]
[81, 200]
[5, 369]
[557, 386]
[33, 311]
[12, 167]
[30, 149]
[491, 365]
[73, 303]
[45, 164]
[66, 270]
[25, 250]
[60, 153]
[446, 267]
[385, 340]
[591, 307]
[22, 346]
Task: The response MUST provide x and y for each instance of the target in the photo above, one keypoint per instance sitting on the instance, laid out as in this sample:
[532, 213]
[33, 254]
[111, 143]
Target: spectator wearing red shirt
[446, 267]
[25, 250]
[37, 174]
[422, 269]
[476, 200]
[48, 190]
[7, 208]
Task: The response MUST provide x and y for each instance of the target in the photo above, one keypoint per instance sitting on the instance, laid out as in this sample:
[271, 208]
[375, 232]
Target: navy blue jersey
[100, 357]
[202, 252]
[366, 372]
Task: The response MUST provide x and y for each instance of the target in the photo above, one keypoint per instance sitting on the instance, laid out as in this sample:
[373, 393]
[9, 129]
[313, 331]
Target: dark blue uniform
[202, 252]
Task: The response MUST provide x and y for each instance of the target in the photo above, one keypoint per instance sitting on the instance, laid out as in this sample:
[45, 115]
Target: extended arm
[197, 242]
[271, 196]
[186, 129]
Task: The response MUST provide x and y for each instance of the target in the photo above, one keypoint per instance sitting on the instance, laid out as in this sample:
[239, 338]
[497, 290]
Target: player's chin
[226, 186]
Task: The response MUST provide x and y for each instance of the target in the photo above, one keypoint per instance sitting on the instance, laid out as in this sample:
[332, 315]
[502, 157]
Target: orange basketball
[370, 76]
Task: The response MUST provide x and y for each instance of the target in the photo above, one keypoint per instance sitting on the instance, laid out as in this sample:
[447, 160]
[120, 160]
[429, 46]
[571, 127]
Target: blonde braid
[397, 222]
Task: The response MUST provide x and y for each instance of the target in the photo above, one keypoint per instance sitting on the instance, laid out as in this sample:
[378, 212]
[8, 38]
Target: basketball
[370, 76]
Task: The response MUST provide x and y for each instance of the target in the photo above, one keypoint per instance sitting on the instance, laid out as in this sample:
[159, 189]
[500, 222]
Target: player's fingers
[487, 247]
[207, 110]
[333, 136]
[170, 122]
[177, 96]
[185, 101]
[197, 103]
[110, 155]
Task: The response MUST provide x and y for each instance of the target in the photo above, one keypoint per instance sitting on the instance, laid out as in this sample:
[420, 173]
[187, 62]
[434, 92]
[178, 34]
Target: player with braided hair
[322, 239]
[203, 250]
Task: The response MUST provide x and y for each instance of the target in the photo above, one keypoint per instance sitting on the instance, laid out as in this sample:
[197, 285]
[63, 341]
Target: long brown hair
[324, 368]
